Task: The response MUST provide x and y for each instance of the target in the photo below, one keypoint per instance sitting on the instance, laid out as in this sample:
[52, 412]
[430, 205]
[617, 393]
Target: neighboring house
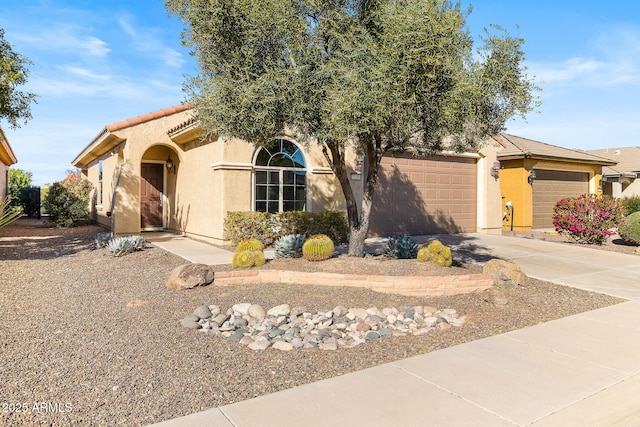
[7, 158]
[620, 180]
[157, 172]
[534, 176]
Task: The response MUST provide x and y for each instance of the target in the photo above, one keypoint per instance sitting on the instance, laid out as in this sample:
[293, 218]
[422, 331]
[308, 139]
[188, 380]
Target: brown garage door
[551, 186]
[424, 196]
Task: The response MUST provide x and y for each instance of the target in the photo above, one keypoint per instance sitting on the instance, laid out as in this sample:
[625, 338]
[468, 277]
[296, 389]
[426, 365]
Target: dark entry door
[151, 196]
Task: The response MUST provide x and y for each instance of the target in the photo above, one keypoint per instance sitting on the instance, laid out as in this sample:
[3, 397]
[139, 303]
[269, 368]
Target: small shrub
[120, 246]
[318, 248]
[239, 226]
[400, 247]
[631, 204]
[436, 253]
[629, 230]
[247, 259]
[250, 245]
[587, 218]
[289, 246]
[67, 201]
[102, 239]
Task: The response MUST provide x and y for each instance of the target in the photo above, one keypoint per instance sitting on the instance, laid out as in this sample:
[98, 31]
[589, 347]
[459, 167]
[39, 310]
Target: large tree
[376, 75]
[15, 105]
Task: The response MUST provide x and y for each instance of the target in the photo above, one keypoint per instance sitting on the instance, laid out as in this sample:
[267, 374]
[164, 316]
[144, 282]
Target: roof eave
[556, 159]
[7, 156]
[100, 145]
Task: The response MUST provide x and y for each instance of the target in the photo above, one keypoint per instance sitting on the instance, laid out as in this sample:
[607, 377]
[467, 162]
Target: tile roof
[516, 147]
[147, 117]
[628, 159]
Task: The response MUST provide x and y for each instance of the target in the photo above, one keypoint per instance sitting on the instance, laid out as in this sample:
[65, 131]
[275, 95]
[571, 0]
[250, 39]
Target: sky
[98, 62]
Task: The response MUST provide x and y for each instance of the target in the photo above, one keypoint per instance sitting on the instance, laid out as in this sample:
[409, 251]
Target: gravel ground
[96, 338]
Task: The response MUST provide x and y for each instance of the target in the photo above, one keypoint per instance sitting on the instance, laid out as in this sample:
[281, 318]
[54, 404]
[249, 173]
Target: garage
[551, 186]
[425, 195]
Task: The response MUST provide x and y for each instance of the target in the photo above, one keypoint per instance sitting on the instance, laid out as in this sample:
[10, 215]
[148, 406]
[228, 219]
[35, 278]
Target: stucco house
[534, 176]
[7, 158]
[157, 172]
[620, 180]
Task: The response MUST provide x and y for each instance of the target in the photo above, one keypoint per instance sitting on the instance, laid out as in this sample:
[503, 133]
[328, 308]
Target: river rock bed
[287, 328]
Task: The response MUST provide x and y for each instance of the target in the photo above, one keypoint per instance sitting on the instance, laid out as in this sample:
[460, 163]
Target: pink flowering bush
[588, 218]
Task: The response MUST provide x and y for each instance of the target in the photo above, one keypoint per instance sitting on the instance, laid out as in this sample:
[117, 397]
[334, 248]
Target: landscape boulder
[189, 276]
[505, 274]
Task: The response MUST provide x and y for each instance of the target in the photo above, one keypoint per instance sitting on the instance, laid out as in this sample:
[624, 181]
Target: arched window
[280, 178]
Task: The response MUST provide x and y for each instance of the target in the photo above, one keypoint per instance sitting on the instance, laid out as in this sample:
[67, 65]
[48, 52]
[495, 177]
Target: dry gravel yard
[96, 339]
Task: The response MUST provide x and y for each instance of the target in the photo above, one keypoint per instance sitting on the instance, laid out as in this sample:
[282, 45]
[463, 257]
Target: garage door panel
[551, 186]
[424, 196]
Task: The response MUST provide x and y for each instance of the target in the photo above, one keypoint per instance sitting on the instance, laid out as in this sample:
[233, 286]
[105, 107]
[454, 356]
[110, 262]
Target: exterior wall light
[169, 164]
[495, 170]
[531, 177]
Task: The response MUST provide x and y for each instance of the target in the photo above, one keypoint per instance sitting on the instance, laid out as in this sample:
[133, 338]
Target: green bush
[631, 204]
[629, 230]
[268, 227]
[67, 201]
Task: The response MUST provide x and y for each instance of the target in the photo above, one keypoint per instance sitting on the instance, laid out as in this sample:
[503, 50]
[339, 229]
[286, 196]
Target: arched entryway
[158, 170]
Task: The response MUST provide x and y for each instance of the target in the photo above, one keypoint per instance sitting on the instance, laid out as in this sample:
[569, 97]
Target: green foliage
[629, 230]
[29, 198]
[15, 105]
[376, 75]
[267, 227]
[102, 239]
[67, 201]
[247, 259]
[587, 218]
[400, 247]
[7, 213]
[318, 248]
[436, 253]
[18, 179]
[239, 226]
[250, 245]
[119, 246]
[631, 204]
[289, 246]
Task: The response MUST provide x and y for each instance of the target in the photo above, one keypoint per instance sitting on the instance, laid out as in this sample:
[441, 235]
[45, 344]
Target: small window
[99, 189]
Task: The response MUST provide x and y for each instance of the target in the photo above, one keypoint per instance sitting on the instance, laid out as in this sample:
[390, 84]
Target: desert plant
[631, 204]
[318, 248]
[120, 246]
[400, 247]
[629, 230]
[289, 246]
[587, 218]
[67, 201]
[436, 253]
[247, 259]
[102, 239]
[8, 214]
[250, 245]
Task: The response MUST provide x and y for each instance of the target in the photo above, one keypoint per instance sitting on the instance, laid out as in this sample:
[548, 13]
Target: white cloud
[65, 39]
[147, 41]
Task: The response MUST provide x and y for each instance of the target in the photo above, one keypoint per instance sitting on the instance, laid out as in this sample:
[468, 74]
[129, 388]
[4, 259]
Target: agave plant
[102, 239]
[120, 246]
[401, 247]
[289, 246]
[8, 214]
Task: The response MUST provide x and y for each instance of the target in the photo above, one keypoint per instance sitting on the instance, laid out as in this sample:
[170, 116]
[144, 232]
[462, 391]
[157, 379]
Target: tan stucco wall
[489, 211]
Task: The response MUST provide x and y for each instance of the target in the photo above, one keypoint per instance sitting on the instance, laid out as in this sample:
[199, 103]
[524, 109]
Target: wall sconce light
[169, 164]
[531, 177]
[495, 170]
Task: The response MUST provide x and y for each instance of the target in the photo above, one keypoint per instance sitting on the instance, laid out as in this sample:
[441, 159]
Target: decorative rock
[504, 273]
[340, 311]
[372, 336]
[359, 313]
[221, 318]
[190, 324]
[279, 310]
[202, 312]
[256, 311]
[189, 276]
[215, 310]
[283, 345]
[259, 345]
[242, 308]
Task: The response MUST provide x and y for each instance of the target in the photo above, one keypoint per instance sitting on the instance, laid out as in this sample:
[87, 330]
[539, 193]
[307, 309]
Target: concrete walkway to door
[582, 370]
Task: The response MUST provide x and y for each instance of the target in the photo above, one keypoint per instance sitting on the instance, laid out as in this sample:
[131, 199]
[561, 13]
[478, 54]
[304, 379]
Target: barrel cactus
[247, 259]
[435, 252]
[401, 247]
[289, 246]
[318, 248]
[250, 245]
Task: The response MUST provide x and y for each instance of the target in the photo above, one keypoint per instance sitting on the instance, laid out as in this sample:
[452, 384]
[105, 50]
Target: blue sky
[98, 62]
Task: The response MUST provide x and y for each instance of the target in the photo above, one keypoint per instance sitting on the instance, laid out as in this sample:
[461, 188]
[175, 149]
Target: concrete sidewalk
[577, 371]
